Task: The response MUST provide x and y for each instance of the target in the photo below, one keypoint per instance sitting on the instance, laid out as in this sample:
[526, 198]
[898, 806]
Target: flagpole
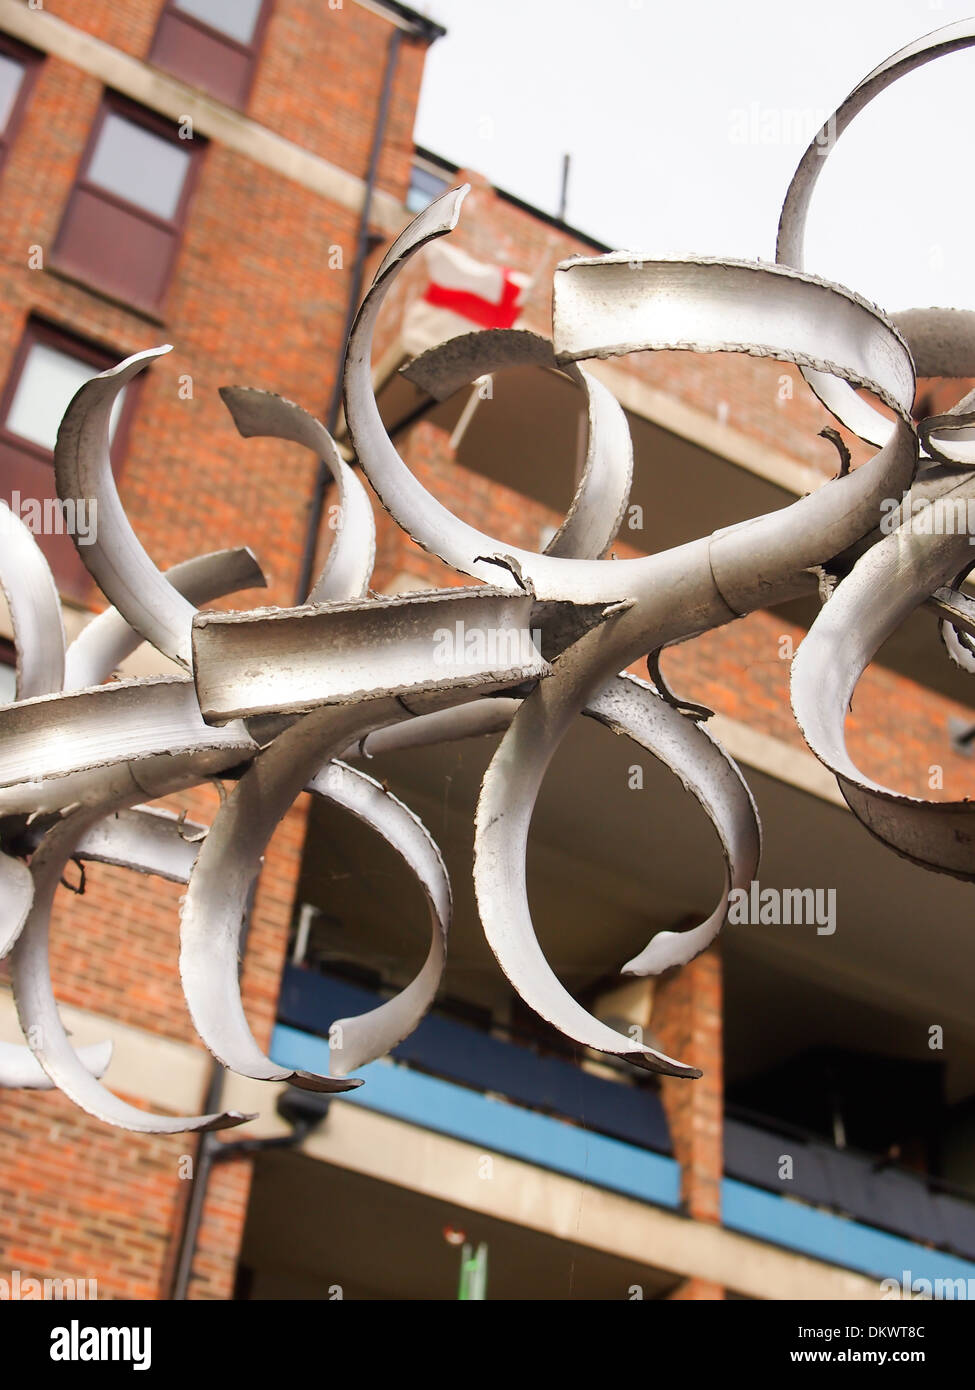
[467, 414]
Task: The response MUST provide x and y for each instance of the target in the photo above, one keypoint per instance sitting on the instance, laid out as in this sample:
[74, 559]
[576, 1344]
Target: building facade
[225, 177]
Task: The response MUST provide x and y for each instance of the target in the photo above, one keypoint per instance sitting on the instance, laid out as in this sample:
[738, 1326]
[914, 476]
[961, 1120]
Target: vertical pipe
[193, 1212]
[355, 294]
[182, 1267]
[564, 195]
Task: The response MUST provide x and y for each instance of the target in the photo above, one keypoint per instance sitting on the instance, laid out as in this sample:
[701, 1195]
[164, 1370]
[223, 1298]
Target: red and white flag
[462, 295]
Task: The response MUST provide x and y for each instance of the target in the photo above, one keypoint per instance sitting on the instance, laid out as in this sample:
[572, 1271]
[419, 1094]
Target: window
[49, 380]
[49, 368]
[236, 19]
[213, 44]
[12, 75]
[18, 66]
[124, 218]
[140, 166]
[425, 185]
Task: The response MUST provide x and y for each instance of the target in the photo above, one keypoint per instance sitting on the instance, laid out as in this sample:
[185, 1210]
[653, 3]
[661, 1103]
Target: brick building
[225, 177]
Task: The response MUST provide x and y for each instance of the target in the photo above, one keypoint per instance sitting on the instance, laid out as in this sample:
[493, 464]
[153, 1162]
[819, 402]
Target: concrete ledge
[776, 758]
[696, 426]
[169, 1075]
[406, 1156]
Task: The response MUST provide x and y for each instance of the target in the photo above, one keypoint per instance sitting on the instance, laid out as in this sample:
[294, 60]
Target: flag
[462, 294]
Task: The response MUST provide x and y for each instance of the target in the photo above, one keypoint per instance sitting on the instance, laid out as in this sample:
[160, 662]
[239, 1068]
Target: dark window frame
[30, 60]
[113, 103]
[426, 169]
[250, 52]
[72, 579]
[70, 260]
[53, 335]
[249, 49]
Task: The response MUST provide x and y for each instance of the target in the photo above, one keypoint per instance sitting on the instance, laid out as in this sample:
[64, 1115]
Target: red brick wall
[318, 77]
[686, 1023]
[762, 398]
[345, 51]
[78, 1198]
[129, 27]
[252, 300]
[82, 1201]
[897, 729]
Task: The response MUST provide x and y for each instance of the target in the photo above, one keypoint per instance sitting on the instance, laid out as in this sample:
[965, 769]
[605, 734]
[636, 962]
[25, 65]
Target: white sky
[649, 96]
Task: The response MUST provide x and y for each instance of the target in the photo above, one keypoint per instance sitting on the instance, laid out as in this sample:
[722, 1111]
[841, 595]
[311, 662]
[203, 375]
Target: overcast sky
[685, 123]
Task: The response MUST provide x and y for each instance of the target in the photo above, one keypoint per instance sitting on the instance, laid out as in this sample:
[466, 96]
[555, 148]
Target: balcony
[499, 1094]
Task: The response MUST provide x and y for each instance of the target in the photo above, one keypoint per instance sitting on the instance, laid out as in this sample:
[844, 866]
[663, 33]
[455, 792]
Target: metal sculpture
[278, 700]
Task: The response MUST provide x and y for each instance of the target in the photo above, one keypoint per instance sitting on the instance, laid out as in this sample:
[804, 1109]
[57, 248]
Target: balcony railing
[845, 1207]
[444, 1047]
[852, 1184]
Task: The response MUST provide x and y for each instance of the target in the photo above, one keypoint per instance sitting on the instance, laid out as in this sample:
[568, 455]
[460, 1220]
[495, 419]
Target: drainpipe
[182, 1267]
[294, 1106]
[193, 1214]
[207, 1150]
[418, 27]
[210, 1149]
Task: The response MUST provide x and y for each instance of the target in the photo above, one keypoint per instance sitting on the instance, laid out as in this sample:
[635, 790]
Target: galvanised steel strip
[16, 897]
[353, 1042]
[147, 774]
[630, 707]
[342, 653]
[103, 644]
[893, 578]
[215, 906]
[148, 839]
[49, 746]
[348, 567]
[611, 305]
[21, 1071]
[838, 397]
[355, 674]
[37, 1008]
[34, 607]
[115, 558]
[599, 504]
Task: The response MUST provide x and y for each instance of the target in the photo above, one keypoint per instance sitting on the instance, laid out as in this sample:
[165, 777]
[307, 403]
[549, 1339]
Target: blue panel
[959, 1222]
[493, 1125]
[754, 1156]
[453, 1050]
[833, 1238]
[852, 1185]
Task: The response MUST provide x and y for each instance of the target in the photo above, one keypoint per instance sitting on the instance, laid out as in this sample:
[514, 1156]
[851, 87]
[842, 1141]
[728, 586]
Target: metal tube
[355, 291]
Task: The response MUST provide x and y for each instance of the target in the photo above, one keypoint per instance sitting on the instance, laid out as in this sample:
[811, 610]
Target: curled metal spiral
[278, 700]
